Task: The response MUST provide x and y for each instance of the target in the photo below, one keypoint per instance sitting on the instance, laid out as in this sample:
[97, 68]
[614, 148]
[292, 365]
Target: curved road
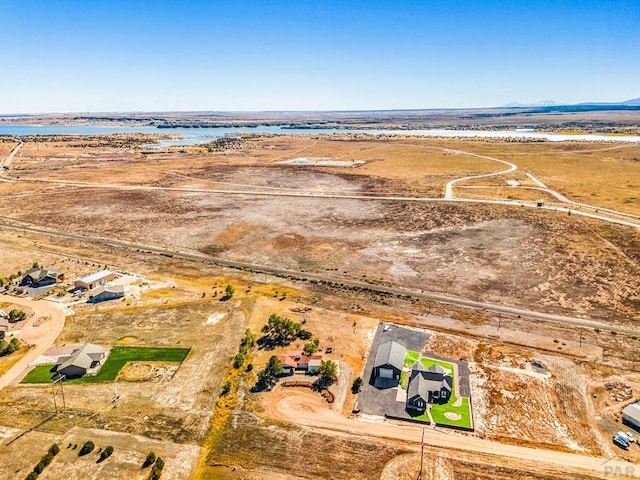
[53, 327]
[302, 409]
[448, 191]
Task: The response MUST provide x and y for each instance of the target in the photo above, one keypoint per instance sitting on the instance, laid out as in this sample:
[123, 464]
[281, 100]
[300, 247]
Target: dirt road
[6, 163]
[310, 410]
[50, 331]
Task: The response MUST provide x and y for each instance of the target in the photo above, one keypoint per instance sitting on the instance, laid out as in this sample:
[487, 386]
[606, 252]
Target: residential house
[94, 280]
[82, 359]
[105, 292]
[300, 361]
[41, 277]
[388, 364]
[427, 386]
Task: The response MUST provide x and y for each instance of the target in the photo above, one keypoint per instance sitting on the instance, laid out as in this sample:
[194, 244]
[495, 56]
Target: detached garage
[388, 364]
[631, 415]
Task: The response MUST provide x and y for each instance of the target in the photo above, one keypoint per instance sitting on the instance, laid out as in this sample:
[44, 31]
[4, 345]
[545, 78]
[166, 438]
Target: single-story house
[94, 280]
[41, 277]
[631, 415]
[81, 360]
[300, 361]
[105, 292]
[428, 385]
[389, 363]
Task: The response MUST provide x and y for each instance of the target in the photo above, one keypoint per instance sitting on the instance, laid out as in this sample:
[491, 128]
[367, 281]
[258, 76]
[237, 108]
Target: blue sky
[91, 56]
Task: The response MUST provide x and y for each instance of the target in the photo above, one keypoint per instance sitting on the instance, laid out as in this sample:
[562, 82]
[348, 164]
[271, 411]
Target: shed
[94, 280]
[631, 415]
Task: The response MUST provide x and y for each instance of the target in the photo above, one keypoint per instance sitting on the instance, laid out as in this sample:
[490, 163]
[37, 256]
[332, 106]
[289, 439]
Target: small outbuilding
[631, 415]
[41, 277]
[388, 364]
[105, 292]
[94, 280]
[82, 359]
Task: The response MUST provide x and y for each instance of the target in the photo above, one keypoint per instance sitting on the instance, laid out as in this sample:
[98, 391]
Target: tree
[87, 448]
[238, 360]
[17, 316]
[282, 330]
[228, 292]
[328, 371]
[267, 376]
[357, 385]
[35, 265]
[150, 460]
[226, 388]
[3, 281]
[312, 346]
[106, 453]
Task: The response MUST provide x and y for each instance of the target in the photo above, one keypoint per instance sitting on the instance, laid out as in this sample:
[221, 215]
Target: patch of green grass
[117, 359]
[427, 362]
[464, 410]
[40, 374]
[120, 356]
[410, 358]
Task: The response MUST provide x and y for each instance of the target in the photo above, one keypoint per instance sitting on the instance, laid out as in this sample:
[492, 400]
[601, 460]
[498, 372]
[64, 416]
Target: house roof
[81, 357]
[295, 359]
[390, 353]
[107, 288]
[94, 276]
[38, 274]
[632, 411]
[421, 386]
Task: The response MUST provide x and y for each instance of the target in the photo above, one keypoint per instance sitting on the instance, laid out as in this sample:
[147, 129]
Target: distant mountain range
[550, 106]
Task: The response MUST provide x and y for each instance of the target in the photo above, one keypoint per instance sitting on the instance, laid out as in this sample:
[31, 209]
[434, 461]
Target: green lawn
[464, 410]
[40, 374]
[118, 358]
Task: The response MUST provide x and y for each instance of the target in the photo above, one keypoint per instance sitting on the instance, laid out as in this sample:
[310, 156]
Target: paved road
[280, 272]
[51, 330]
[304, 409]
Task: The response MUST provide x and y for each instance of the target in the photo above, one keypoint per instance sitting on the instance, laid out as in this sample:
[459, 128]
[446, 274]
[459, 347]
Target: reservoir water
[194, 136]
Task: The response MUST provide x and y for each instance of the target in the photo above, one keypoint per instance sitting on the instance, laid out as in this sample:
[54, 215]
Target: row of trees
[44, 462]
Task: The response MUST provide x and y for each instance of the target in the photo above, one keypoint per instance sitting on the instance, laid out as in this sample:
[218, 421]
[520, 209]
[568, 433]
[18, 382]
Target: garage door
[386, 373]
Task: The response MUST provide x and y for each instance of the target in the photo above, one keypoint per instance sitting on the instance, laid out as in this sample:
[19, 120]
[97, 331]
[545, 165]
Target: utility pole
[421, 456]
[58, 382]
[580, 338]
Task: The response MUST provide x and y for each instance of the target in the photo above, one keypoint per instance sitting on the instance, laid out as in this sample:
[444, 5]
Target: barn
[104, 293]
[94, 280]
[631, 415]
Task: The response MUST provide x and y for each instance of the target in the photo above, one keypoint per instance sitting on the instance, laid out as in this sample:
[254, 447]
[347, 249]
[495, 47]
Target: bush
[156, 471]
[226, 388]
[106, 453]
[32, 476]
[54, 449]
[150, 460]
[357, 385]
[87, 448]
[238, 360]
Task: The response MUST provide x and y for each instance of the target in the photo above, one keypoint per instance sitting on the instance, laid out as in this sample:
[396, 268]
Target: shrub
[106, 453]
[150, 460]
[32, 476]
[357, 385]
[87, 448]
[226, 388]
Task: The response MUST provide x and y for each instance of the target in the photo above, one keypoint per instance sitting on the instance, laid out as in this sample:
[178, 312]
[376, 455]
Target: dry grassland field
[339, 233]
